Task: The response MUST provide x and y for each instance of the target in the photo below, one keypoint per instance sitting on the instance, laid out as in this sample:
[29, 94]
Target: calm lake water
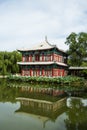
[24, 108]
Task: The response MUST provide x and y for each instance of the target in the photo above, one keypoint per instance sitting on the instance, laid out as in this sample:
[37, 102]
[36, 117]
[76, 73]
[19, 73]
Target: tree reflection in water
[76, 115]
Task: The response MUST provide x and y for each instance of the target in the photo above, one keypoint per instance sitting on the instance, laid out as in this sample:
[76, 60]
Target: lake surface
[23, 108]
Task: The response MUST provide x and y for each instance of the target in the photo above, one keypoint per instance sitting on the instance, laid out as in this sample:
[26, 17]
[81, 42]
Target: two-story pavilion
[43, 60]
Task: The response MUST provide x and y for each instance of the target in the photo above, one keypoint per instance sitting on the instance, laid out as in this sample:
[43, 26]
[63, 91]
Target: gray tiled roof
[42, 46]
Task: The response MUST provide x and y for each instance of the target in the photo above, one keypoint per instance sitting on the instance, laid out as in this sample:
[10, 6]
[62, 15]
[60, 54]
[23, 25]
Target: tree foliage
[77, 48]
[84, 64]
[8, 62]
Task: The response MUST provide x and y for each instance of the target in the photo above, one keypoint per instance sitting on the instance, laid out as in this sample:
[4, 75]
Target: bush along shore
[70, 80]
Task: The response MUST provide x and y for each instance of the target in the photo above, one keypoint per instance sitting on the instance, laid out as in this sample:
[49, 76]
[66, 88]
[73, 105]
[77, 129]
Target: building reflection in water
[49, 91]
[42, 109]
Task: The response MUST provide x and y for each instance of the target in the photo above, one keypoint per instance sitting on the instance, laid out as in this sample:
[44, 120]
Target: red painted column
[52, 72]
[49, 57]
[22, 72]
[42, 72]
[23, 58]
[30, 72]
[58, 72]
[42, 57]
[30, 58]
[52, 57]
[38, 72]
[63, 72]
[58, 58]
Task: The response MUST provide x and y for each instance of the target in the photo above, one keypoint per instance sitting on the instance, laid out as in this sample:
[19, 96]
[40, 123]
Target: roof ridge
[51, 44]
[48, 42]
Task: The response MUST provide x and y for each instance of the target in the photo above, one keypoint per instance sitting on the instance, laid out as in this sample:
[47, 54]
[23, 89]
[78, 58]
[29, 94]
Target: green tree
[8, 62]
[4, 72]
[77, 48]
[84, 64]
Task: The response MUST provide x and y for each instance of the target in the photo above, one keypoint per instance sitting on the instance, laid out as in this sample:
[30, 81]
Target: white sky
[24, 23]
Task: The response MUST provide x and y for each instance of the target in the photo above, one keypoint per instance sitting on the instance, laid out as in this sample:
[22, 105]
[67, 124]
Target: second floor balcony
[44, 58]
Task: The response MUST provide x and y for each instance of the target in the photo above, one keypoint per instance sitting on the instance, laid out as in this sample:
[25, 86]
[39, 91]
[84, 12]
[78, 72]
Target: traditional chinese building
[43, 60]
